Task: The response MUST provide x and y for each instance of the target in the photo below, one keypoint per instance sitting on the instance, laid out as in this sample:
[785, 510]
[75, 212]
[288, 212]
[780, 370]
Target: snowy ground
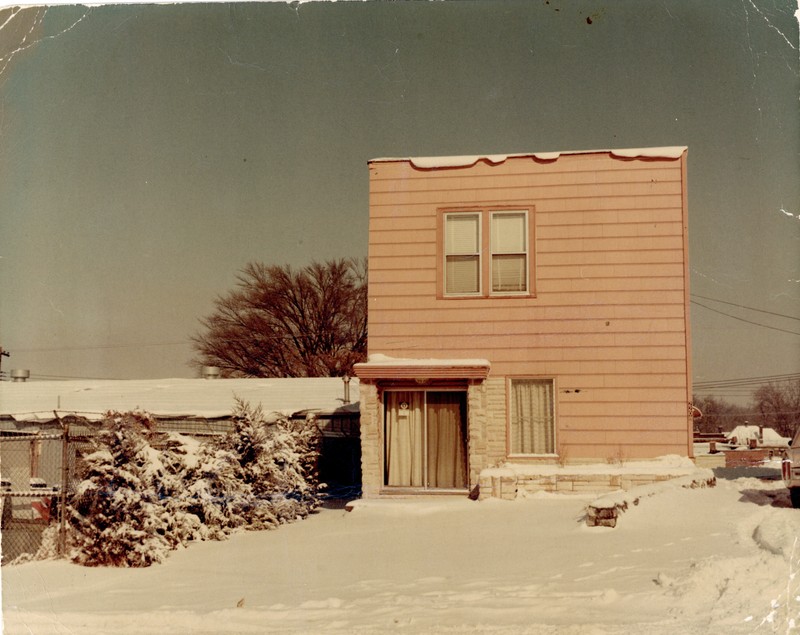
[718, 560]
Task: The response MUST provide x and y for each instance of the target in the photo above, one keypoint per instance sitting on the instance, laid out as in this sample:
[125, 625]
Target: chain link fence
[40, 470]
[31, 484]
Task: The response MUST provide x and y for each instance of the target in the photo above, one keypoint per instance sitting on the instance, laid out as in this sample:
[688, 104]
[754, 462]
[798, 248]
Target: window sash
[509, 244]
[462, 275]
[532, 416]
[462, 253]
[462, 234]
[509, 273]
[509, 232]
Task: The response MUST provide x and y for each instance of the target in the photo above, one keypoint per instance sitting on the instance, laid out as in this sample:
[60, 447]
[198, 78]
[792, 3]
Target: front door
[425, 439]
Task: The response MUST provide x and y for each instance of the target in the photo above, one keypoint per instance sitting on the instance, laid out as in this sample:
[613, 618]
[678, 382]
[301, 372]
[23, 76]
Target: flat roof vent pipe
[20, 375]
[211, 372]
[346, 381]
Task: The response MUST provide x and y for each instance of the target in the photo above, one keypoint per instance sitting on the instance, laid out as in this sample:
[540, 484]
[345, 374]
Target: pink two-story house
[530, 310]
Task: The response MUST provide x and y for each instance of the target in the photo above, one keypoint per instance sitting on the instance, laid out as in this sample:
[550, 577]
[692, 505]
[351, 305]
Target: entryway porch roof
[383, 367]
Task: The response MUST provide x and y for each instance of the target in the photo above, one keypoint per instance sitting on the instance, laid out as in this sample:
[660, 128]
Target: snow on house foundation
[518, 480]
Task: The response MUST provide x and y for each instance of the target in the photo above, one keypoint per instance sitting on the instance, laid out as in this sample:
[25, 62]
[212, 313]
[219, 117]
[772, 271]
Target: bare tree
[778, 405]
[718, 414]
[279, 322]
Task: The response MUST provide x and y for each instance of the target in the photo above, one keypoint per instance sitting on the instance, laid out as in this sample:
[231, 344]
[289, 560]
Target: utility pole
[3, 353]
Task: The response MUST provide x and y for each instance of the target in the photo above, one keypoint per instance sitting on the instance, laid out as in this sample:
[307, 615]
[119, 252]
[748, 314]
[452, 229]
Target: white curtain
[425, 445]
[532, 417]
[509, 273]
[404, 439]
[446, 457]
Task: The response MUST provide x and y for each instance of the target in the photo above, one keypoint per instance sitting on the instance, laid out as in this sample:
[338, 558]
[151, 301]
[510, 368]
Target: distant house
[528, 310]
[757, 436]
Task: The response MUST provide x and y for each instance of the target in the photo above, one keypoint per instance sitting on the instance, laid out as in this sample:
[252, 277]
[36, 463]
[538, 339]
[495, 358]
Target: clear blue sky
[148, 152]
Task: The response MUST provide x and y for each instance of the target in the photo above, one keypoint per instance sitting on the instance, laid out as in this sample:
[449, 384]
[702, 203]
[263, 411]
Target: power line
[766, 326]
[97, 347]
[750, 414]
[746, 381]
[742, 306]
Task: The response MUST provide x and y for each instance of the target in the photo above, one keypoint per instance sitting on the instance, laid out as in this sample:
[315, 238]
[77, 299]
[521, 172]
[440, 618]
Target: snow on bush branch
[144, 493]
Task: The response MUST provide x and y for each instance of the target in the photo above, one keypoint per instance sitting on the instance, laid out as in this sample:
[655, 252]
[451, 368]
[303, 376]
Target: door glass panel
[404, 439]
[446, 434]
[425, 439]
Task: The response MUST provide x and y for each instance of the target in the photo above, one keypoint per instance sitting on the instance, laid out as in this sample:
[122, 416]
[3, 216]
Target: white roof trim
[427, 163]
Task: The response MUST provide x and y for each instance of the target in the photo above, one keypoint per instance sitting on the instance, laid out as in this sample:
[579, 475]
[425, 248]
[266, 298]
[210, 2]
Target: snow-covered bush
[115, 517]
[171, 458]
[214, 491]
[278, 462]
[143, 493]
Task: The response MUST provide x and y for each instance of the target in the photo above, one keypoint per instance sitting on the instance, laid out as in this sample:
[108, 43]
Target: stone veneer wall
[486, 407]
[509, 485]
[486, 411]
[371, 441]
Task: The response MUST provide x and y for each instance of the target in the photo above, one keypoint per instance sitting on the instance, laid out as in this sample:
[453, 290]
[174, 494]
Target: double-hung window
[487, 252]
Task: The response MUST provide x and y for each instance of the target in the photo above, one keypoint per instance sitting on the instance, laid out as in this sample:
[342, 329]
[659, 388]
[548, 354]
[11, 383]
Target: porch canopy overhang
[379, 367]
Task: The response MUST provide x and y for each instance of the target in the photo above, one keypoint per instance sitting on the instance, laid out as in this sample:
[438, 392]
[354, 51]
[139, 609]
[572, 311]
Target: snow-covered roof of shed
[209, 398]
[767, 436]
[428, 163]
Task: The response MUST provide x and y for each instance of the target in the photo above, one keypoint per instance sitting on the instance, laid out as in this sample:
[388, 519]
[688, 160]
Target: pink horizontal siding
[609, 312]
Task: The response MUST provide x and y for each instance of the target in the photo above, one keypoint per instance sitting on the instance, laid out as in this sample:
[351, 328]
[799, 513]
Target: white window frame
[552, 415]
[478, 254]
[485, 254]
[525, 253]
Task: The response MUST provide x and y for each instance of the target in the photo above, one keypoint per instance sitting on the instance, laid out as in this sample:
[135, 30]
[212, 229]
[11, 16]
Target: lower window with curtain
[532, 416]
[425, 439]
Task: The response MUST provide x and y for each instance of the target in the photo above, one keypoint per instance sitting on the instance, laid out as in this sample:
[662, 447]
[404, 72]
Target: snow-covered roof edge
[378, 359]
[665, 152]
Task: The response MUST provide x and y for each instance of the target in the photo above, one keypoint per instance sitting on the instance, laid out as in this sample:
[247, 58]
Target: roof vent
[20, 375]
[211, 372]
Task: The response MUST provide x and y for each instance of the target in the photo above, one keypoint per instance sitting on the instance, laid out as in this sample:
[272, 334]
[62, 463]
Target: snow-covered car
[790, 470]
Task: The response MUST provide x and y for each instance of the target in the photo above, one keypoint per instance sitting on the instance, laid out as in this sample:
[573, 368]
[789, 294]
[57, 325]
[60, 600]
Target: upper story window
[487, 252]
[462, 253]
[509, 252]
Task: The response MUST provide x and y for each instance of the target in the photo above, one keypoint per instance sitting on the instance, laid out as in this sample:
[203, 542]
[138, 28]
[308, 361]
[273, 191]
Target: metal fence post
[62, 508]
